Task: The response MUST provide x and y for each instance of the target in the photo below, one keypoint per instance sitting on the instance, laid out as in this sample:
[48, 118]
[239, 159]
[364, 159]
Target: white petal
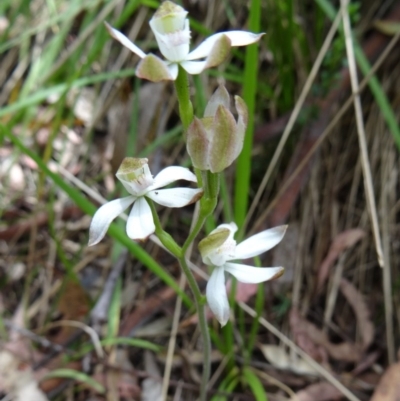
[260, 243]
[172, 35]
[173, 70]
[104, 216]
[242, 38]
[193, 67]
[140, 224]
[216, 295]
[238, 38]
[175, 197]
[171, 174]
[253, 275]
[124, 41]
[174, 46]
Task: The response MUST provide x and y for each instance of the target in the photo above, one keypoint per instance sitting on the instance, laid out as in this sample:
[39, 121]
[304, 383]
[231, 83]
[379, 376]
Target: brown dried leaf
[312, 339]
[388, 388]
[344, 240]
[280, 359]
[318, 392]
[151, 387]
[357, 302]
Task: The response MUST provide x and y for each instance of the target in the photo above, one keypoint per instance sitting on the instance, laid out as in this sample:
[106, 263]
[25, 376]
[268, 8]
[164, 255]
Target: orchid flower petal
[104, 216]
[171, 174]
[260, 243]
[193, 67]
[124, 41]
[216, 295]
[240, 126]
[223, 143]
[154, 69]
[198, 144]
[241, 38]
[219, 98]
[174, 46]
[237, 38]
[219, 52]
[140, 224]
[253, 275]
[175, 197]
[173, 70]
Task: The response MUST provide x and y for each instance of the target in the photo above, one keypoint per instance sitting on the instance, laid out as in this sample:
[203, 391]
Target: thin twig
[322, 371]
[369, 188]
[172, 340]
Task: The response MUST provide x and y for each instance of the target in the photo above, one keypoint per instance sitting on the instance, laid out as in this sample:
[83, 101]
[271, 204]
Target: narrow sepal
[260, 243]
[175, 197]
[104, 216]
[237, 38]
[253, 275]
[216, 295]
[124, 41]
[171, 174]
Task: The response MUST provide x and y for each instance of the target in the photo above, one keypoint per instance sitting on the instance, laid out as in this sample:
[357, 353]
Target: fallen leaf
[343, 241]
[151, 387]
[388, 388]
[280, 359]
[318, 392]
[16, 375]
[357, 302]
[308, 335]
[30, 392]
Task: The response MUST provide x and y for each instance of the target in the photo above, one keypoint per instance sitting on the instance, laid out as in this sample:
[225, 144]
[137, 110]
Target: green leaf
[77, 376]
[255, 384]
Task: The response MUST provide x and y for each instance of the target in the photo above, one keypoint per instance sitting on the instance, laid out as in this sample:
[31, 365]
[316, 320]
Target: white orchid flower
[219, 248]
[171, 29]
[135, 176]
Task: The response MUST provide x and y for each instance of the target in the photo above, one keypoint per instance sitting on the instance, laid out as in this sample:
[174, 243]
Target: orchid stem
[162, 235]
[210, 183]
[183, 93]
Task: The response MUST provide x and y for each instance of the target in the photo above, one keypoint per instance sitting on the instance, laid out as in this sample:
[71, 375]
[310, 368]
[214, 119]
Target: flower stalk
[207, 207]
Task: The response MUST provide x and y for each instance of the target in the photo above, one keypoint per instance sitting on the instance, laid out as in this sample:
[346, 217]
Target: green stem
[200, 307]
[162, 235]
[183, 93]
[210, 183]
